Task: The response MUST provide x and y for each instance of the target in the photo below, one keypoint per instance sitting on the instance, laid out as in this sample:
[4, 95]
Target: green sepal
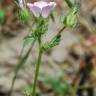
[42, 25]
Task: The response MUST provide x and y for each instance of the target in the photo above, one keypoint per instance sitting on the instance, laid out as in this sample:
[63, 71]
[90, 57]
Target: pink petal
[35, 10]
[40, 4]
[52, 4]
[47, 10]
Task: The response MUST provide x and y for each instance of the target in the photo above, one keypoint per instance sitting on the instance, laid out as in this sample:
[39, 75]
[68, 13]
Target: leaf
[29, 39]
[55, 41]
[70, 3]
[19, 66]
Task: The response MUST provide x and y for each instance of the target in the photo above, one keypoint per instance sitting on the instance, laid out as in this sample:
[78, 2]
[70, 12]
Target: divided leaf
[55, 41]
[29, 39]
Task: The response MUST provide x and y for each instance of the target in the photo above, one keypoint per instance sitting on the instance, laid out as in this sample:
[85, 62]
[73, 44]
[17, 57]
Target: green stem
[37, 69]
[20, 63]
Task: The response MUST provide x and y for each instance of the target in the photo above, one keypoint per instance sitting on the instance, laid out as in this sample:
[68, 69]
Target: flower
[41, 8]
[22, 4]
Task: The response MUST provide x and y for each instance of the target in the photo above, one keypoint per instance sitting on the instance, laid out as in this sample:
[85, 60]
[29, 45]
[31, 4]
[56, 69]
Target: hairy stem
[37, 68]
[20, 63]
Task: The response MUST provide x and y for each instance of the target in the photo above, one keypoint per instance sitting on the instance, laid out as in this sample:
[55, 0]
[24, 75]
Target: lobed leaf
[54, 42]
[29, 39]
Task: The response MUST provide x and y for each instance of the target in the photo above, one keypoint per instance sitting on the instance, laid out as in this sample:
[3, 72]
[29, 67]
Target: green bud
[70, 20]
[24, 15]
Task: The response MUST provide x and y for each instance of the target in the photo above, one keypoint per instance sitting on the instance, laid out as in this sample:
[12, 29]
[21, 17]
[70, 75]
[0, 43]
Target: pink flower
[41, 8]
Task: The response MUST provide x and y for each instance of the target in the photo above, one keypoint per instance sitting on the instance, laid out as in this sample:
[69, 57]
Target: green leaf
[70, 3]
[55, 41]
[29, 39]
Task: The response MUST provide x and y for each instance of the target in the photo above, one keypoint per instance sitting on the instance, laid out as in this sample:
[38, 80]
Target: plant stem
[20, 63]
[39, 61]
[37, 68]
